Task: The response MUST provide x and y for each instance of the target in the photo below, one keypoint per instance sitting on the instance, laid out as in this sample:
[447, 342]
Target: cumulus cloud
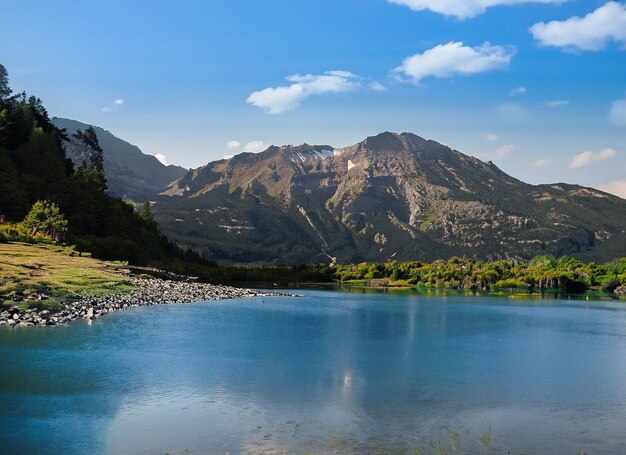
[161, 158]
[517, 91]
[617, 115]
[616, 187]
[557, 103]
[590, 33]
[227, 157]
[542, 163]
[276, 100]
[462, 9]
[586, 158]
[447, 60]
[233, 144]
[255, 147]
[119, 102]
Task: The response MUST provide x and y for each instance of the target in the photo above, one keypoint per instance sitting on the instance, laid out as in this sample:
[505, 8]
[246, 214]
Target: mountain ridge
[130, 173]
[390, 196]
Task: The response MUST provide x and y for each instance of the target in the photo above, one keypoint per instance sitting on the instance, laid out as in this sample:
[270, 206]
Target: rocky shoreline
[147, 292]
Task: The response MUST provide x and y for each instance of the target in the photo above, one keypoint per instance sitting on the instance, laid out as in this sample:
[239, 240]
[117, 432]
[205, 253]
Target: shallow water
[328, 372]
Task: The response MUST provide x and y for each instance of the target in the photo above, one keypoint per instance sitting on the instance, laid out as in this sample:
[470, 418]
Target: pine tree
[147, 215]
[5, 90]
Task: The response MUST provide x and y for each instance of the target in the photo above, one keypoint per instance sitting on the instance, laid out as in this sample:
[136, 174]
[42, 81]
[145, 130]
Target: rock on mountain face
[391, 196]
[129, 172]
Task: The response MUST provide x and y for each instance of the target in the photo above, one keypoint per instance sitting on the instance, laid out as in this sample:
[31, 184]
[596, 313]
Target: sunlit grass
[59, 271]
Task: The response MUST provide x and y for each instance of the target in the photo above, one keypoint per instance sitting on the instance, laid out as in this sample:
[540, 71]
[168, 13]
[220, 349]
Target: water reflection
[325, 373]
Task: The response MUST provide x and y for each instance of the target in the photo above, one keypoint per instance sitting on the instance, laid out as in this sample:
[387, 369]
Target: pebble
[147, 292]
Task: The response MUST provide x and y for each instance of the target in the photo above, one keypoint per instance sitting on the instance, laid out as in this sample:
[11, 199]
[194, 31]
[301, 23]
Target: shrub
[19, 233]
[46, 218]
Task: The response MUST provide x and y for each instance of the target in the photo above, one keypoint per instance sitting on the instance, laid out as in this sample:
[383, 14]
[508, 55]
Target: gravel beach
[147, 292]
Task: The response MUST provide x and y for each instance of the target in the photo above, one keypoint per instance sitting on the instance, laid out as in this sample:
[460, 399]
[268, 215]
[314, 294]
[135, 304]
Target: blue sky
[546, 102]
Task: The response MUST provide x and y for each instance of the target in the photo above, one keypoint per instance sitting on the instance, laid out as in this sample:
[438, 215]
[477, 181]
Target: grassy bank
[55, 272]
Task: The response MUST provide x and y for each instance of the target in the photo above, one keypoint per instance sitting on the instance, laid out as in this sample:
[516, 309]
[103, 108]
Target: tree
[5, 90]
[147, 215]
[46, 218]
[96, 154]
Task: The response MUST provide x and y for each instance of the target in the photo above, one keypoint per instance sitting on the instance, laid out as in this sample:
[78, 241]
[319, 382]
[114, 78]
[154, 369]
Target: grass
[54, 270]
[47, 304]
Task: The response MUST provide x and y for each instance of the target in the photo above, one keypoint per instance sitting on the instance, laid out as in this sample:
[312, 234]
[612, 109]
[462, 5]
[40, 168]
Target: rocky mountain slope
[392, 196]
[129, 172]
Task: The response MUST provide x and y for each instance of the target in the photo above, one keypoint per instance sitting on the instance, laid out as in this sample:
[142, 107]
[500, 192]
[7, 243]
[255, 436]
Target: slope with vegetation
[35, 171]
[391, 196]
[130, 174]
[54, 271]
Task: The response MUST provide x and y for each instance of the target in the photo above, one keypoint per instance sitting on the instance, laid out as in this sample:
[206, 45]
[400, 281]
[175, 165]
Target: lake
[329, 372]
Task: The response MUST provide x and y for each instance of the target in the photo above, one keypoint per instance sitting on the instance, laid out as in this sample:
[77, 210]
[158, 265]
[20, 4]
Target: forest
[44, 198]
[38, 182]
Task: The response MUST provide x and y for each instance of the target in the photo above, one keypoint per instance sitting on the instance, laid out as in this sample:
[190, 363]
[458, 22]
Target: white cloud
[227, 157]
[446, 60]
[616, 187]
[491, 137]
[542, 163]
[161, 158]
[276, 100]
[517, 91]
[233, 144]
[557, 103]
[617, 115]
[377, 86]
[255, 147]
[588, 157]
[113, 106]
[590, 33]
[462, 9]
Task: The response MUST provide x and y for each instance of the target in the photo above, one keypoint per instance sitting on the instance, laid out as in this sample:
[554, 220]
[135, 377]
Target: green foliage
[46, 218]
[19, 233]
[96, 157]
[5, 90]
[147, 215]
[46, 304]
[33, 168]
[542, 273]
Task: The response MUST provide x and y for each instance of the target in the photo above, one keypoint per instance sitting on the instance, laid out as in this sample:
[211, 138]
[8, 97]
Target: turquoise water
[328, 372]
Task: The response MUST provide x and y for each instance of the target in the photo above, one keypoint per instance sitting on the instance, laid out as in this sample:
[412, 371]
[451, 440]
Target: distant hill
[129, 172]
[392, 196]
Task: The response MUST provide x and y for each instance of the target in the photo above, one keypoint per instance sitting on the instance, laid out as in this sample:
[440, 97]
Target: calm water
[329, 372]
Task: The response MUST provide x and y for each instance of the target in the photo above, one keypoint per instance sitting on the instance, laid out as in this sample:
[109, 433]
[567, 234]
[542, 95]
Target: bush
[45, 218]
[18, 233]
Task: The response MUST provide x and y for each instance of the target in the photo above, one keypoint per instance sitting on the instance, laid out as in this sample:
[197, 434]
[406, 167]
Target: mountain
[392, 196]
[129, 172]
